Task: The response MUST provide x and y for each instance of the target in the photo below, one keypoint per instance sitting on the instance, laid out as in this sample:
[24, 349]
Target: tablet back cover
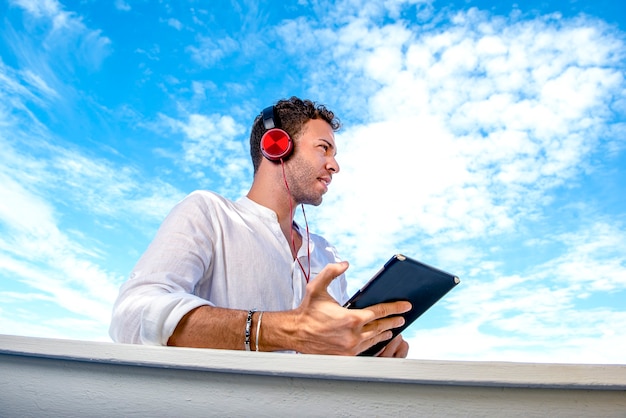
[403, 278]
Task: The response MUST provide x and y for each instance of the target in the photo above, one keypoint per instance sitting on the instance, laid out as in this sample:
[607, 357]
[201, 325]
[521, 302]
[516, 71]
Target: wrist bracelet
[258, 331]
[248, 326]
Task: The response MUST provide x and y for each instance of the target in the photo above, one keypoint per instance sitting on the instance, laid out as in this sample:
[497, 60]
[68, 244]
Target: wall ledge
[460, 373]
[70, 378]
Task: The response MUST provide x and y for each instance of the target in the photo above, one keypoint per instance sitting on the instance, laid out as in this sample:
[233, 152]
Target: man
[244, 275]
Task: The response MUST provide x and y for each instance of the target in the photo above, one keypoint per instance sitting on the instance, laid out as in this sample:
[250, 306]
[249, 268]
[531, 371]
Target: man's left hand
[396, 348]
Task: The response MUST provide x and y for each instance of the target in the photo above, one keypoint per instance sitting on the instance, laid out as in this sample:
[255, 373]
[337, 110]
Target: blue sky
[486, 140]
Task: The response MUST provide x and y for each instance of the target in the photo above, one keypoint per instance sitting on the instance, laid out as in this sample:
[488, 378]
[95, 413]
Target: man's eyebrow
[330, 144]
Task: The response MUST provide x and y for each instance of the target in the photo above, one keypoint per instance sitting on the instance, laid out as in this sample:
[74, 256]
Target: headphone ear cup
[276, 144]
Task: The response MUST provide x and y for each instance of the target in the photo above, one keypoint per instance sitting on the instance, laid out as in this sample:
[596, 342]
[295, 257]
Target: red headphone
[276, 144]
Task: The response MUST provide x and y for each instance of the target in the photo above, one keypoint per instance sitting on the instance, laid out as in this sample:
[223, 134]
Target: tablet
[403, 278]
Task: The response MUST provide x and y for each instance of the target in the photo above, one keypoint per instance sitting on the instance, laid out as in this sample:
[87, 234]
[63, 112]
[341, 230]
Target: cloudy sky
[489, 141]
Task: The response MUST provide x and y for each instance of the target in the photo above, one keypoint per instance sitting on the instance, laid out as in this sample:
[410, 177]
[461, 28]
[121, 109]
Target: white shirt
[212, 251]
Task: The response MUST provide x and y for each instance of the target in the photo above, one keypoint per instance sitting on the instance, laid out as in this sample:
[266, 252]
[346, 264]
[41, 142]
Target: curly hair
[292, 113]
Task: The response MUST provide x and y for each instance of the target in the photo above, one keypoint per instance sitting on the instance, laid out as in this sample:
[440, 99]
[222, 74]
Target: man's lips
[325, 181]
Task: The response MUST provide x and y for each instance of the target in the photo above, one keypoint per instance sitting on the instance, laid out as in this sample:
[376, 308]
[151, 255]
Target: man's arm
[318, 326]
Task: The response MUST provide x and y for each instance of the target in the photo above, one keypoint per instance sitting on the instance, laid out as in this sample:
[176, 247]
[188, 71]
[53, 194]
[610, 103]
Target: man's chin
[313, 202]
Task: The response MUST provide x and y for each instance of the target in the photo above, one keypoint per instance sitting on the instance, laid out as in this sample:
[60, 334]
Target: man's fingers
[327, 275]
[380, 329]
[396, 348]
[383, 310]
[377, 327]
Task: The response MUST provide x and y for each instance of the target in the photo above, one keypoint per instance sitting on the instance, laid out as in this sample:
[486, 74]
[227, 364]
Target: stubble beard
[301, 184]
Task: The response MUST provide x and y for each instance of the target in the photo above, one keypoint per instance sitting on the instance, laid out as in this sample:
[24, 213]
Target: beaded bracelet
[248, 326]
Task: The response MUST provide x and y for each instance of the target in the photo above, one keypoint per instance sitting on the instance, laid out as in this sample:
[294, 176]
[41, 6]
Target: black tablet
[403, 278]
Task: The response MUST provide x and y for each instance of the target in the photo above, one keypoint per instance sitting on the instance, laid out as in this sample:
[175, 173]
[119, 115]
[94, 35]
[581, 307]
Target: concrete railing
[47, 377]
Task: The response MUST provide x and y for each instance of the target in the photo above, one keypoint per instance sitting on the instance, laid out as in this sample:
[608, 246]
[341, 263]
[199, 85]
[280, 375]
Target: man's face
[310, 169]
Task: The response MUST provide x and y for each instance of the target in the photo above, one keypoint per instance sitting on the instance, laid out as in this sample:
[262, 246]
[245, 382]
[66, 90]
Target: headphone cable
[307, 276]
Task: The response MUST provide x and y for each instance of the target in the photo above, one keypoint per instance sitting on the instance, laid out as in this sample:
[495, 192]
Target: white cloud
[214, 144]
[46, 8]
[60, 36]
[211, 51]
[594, 262]
[550, 312]
[466, 342]
[466, 123]
[122, 5]
[96, 186]
[37, 83]
[43, 258]
[20, 209]
[459, 136]
[175, 23]
[46, 185]
[72, 273]
[21, 319]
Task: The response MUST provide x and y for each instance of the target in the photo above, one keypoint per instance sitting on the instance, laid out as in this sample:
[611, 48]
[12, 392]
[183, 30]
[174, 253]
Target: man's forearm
[212, 327]
[318, 326]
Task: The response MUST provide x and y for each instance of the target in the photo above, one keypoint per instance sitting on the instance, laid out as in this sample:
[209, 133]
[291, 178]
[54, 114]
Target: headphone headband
[268, 118]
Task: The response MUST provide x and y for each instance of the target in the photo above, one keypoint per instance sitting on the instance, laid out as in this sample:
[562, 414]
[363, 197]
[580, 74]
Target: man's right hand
[322, 326]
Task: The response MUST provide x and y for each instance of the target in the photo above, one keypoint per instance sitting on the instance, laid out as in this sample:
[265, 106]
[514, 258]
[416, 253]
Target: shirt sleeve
[159, 291]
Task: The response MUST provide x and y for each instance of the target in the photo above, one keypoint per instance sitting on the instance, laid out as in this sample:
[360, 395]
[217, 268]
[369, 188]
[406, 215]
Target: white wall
[44, 377]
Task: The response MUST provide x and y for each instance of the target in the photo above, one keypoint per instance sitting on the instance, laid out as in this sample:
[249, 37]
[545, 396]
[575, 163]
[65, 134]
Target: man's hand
[396, 348]
[322, 326]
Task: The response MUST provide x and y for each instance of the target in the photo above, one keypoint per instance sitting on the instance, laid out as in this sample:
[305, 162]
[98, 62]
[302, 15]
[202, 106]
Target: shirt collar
[257, 209]
[267, 213]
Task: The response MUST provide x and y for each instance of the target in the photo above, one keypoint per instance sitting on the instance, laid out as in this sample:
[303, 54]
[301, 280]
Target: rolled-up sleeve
[160, 289]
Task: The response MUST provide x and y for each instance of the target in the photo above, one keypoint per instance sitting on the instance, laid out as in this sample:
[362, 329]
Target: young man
[243, 274]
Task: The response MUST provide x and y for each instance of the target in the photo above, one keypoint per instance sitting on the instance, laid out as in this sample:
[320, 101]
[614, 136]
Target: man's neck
[285, 218]
[276, 200]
